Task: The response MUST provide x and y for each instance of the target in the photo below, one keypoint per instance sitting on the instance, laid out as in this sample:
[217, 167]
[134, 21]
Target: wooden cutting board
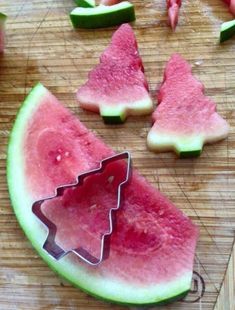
[42, 46]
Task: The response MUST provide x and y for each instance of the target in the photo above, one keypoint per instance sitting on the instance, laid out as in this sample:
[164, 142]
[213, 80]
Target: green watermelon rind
[103, 16]
[227, 30]
[3, 17]
[101, 287]
[85, 3]
[117, 114]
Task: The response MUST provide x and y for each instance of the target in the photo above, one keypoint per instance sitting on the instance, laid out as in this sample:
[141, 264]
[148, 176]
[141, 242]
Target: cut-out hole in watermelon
[185, 118]
[153, 244]
[96, 194]
[117, 87]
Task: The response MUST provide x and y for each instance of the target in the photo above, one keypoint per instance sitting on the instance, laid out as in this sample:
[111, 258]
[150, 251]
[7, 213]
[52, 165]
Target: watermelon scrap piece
[231, 4]
[85, 3]
[173, 7]
[152, 247]
[185, 118]
[227, 30]
[103, 16]
[3, 18]
[117, 87]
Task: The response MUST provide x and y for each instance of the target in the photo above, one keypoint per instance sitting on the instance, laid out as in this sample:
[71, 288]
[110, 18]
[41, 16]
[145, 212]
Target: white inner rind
[140, 107]
[101, 9]
[159, 141]
[227, 25]
[109, 288]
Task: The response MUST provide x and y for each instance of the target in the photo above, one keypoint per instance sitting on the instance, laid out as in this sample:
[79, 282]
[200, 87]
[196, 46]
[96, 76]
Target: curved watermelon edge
[39, 90]
[160, 303]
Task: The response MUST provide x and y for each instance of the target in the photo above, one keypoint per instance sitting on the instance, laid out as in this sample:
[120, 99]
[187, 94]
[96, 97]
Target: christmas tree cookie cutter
[50, 245]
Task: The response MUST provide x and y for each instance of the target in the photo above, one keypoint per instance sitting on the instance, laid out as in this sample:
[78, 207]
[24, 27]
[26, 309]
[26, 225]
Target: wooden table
[42, 46]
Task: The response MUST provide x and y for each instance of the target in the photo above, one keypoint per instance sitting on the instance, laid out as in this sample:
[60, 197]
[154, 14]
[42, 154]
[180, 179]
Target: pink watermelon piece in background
[3, 18]
[117, 87]
[152, 247]
[173, 7]
[185, 118]
[231, 4]
[110, 2]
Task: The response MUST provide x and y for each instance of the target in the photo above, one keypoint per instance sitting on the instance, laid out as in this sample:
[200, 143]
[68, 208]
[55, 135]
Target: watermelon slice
[85, 3]
[231, 4]
[103, 16]
[117, 86]
[152, 247]
[184, 119]
[3, 18]
[173, 7]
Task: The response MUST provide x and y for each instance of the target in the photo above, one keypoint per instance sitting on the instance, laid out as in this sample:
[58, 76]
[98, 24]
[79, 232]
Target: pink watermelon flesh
[123, 49]
[231, 4]
[185, 118]
[173, 7]
[84, 205]
[153, 242]
[110, 2]
[117, 87]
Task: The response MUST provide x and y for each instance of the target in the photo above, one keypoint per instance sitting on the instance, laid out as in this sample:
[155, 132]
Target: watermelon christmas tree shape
[96, 194]
[153, 243]
[117, 87]
[185, 118]
[3, 18]
[173, 7]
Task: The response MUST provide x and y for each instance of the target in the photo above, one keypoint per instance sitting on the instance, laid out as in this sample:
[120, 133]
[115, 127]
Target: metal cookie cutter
[50, 244]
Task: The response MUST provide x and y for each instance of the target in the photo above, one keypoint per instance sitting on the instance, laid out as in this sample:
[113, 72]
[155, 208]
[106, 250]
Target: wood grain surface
[42, 46]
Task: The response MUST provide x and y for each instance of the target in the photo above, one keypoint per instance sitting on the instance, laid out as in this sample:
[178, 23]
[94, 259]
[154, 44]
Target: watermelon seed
[93, 207]
[58, 157]
[110, 179]
[161, 212]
